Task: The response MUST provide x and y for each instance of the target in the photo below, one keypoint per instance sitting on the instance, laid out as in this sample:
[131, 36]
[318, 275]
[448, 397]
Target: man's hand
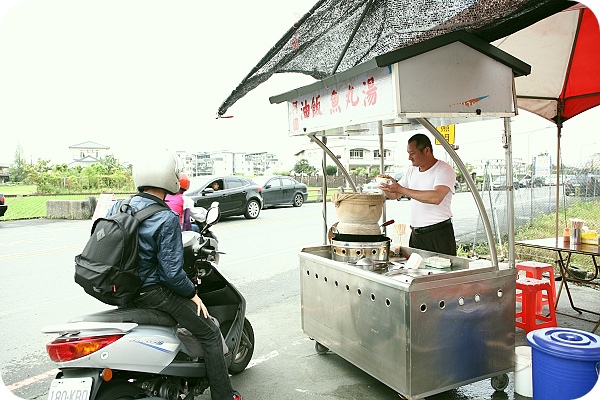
[391, 189]
[201, 306]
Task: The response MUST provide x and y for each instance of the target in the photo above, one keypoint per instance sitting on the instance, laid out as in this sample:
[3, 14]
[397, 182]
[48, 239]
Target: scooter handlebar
[208, 252]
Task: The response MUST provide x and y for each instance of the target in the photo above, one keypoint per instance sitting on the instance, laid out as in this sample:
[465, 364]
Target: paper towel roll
[414, 261]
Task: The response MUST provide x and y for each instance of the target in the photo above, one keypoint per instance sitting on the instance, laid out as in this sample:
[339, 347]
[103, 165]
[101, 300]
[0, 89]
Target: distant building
[497, 167]
[227, 163]
[87, 153]
[4, 172]
[357, 152]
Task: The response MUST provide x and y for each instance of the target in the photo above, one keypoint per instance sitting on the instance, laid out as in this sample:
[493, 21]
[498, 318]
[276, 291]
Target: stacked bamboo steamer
[358, 213]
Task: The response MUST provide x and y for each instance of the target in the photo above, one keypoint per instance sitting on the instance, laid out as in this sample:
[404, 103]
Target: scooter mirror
[212, 216]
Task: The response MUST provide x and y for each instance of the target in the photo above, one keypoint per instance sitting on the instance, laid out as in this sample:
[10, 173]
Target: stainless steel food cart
[426, 330]
[420, 331]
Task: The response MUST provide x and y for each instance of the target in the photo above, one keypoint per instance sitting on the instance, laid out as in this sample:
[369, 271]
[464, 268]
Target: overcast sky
[119, 72]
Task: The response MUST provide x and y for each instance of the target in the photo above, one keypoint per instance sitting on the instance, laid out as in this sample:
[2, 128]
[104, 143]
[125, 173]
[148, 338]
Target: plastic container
[563, 362]
[523, 382]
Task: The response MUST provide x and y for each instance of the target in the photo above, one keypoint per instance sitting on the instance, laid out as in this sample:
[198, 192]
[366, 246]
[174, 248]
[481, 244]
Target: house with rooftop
[87, 153]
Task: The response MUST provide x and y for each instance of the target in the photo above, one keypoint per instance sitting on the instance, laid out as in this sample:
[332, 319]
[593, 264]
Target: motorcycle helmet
[157, 169]
[184, 181]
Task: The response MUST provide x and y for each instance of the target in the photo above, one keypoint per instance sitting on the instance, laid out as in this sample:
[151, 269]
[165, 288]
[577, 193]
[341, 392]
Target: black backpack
[107, 269]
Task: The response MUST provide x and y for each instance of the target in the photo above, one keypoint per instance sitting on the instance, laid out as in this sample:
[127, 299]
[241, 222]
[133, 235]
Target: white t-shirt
[423, 214]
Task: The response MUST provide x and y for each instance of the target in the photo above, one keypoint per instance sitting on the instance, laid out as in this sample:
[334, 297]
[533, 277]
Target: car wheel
[298, 200]
[252, 209]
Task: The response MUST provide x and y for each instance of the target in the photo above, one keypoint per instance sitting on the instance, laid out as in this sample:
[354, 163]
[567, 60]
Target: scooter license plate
[70, 389]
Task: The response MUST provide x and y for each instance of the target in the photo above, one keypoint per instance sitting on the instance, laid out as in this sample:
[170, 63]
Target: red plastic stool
[534, 269]
[529, 318]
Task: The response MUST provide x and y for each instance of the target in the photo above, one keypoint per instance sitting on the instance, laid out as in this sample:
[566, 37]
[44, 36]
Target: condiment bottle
[567, 235]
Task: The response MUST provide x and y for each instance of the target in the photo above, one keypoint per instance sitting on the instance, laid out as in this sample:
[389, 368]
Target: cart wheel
[500, 382]
[320, 348]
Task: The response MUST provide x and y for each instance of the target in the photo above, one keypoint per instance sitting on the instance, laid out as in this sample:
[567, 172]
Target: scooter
[132, 353]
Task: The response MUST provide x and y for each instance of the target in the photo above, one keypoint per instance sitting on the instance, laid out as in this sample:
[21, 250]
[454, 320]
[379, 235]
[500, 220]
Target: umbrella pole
[511, 194]
[558, 161]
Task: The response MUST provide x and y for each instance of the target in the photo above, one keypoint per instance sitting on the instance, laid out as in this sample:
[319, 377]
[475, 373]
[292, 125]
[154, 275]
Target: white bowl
[381, 180]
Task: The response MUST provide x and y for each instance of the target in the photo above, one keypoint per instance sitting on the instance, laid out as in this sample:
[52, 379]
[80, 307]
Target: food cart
[422, 330]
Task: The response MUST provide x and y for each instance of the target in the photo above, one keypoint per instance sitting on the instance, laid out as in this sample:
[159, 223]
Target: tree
[459, 175]
[331, 170]
[302, 167]
[360, 171]
[18, 171]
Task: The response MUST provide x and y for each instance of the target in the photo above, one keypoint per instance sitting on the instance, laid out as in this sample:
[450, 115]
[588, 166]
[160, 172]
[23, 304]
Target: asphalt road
[36, 260]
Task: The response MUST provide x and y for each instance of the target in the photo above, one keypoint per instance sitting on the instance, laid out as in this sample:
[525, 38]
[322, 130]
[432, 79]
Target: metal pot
[351, 252]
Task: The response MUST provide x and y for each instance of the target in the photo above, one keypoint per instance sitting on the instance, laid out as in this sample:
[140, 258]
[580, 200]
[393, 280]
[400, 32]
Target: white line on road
[262, 359]
[31, 380]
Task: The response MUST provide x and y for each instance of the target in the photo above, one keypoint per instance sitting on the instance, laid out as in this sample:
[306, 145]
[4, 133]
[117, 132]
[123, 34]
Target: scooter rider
[167, 287]
[182, 204]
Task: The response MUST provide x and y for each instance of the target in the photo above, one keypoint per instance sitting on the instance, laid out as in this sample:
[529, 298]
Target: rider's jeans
[183, 310]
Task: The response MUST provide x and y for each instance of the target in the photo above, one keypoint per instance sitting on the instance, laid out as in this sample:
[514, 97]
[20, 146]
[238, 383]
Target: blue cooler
[564, 363]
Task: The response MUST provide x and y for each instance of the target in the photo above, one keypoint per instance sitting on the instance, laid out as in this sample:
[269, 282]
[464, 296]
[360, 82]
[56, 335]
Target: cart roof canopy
[449, 79]
[518, 67]
[336, 35]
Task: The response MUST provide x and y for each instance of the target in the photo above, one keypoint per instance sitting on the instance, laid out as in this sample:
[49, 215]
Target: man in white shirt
[429, 183]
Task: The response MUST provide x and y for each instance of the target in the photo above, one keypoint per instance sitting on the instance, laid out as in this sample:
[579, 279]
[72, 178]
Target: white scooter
[132, 353]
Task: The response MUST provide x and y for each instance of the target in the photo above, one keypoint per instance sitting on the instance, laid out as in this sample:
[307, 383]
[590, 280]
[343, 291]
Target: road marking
[32, 380]
[262, 359]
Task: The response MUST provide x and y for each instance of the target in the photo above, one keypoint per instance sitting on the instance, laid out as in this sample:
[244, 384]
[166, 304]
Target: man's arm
[434, 196]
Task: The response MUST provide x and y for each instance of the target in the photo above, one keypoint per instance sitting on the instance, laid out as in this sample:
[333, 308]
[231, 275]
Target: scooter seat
[142, 316]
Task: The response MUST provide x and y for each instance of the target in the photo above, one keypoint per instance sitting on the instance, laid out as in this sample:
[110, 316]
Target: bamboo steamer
[358, 213]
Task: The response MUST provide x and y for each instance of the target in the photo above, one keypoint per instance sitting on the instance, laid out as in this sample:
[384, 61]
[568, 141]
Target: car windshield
[199, 182]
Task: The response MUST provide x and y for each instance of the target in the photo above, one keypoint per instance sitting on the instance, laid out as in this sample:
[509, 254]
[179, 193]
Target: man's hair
[422, 141]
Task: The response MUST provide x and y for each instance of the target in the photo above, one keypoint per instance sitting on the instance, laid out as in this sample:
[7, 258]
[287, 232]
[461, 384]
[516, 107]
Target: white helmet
[157, 169]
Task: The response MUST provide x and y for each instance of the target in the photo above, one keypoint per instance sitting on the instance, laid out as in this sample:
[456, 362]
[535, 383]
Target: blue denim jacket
[160, 242]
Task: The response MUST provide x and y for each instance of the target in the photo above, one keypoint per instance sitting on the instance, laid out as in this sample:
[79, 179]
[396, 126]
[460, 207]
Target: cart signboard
[455, 82]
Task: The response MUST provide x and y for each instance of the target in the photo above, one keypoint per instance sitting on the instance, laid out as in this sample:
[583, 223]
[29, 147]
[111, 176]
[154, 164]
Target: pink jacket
[175, 202]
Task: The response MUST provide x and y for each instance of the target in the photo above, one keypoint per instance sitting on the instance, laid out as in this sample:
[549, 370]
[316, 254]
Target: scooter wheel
[118, 390]
[245, 350]
[320, 348]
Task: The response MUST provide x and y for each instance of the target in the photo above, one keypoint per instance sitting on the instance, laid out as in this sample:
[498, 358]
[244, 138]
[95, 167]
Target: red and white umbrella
[564, 53]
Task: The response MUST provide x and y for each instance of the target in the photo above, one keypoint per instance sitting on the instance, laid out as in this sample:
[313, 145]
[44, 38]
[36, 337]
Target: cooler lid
[566, 343]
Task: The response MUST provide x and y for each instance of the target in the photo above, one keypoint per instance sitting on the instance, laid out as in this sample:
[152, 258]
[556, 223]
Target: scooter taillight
[69, 349]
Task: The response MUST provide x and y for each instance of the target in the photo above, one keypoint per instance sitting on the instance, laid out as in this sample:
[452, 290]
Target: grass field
[22, 204]
[28, 207]
[17, 189]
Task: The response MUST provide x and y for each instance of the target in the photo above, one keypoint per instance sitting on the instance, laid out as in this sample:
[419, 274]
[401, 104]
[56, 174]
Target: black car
[281, 190]
[236, 195]
[583, 185]
[3, 207]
